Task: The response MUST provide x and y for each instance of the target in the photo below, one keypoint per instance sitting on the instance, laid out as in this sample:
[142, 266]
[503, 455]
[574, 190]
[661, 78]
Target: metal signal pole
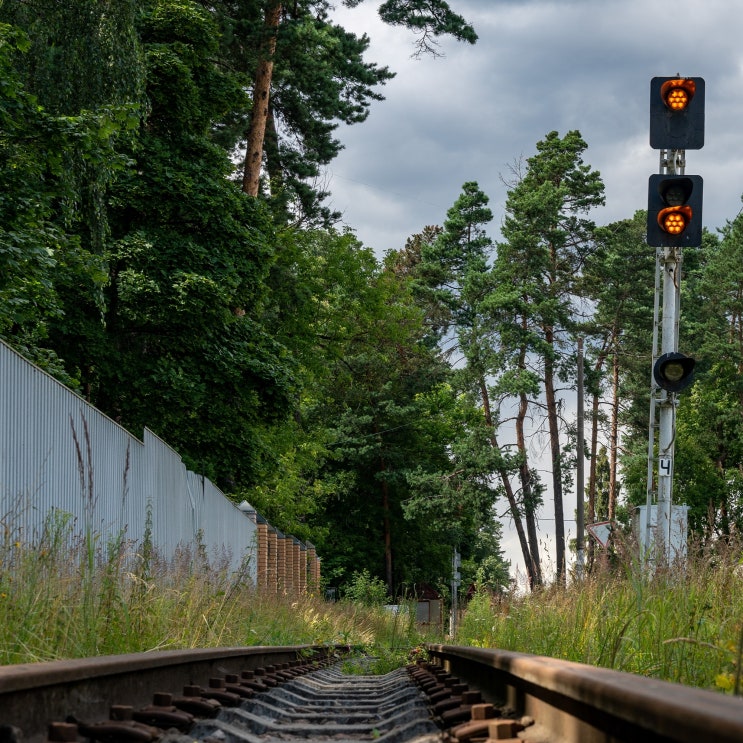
[579, 471]
[671, 260]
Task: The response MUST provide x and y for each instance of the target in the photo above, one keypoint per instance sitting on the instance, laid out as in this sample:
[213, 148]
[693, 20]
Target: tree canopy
[165, 250]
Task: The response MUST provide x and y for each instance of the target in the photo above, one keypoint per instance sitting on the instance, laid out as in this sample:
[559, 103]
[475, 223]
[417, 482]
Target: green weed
[683, 625]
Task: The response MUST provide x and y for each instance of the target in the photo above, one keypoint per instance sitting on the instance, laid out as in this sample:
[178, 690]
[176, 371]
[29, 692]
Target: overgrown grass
[393, 647]
[69, 596]
[683, 625]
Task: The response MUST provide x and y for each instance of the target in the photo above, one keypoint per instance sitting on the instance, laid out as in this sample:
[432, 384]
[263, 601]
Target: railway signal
[674, 210]
[674, 222]
[674, 371]
[677, 113]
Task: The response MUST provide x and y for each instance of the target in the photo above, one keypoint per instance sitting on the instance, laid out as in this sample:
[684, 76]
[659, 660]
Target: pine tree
[546, 242]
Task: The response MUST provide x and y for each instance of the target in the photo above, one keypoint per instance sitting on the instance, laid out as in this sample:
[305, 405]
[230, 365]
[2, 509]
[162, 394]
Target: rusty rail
[472, 694]
[34, 695]
[575, 702]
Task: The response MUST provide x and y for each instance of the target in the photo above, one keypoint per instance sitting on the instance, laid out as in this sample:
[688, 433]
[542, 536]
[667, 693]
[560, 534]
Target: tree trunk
[526, 481]
[387, 537]
[594, 452]
[261, 92]
[273, 158]
[614, 436]
[510, 497]
[554, 432]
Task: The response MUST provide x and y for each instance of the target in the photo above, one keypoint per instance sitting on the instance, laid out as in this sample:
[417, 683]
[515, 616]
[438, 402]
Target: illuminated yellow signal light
[674, 219]
[674, 210]
[677, 93]
[677, 99]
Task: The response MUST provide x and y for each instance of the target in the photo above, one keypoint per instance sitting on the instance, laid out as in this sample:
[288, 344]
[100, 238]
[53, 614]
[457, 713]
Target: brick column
[281, 562]
[262, 577]
[302, 569]
[273, 562]
[297, 566]
[312, 583]
[289, 561]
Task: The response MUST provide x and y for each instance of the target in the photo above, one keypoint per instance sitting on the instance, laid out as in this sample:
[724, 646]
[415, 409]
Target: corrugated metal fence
[58, 453]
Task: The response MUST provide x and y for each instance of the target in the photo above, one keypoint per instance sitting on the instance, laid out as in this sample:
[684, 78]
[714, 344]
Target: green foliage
[455, 498]
[669, 626]
[374, 409]
[51, 227]
[427, 18]
[182, 348]
[708, 432]
[319, 79]
[547, 238]
[366, 590]
[81, 53]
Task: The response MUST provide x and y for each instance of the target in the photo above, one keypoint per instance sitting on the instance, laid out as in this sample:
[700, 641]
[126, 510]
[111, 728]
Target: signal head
[677, 113]
[678, 92]
[674, 210]
[673, 371]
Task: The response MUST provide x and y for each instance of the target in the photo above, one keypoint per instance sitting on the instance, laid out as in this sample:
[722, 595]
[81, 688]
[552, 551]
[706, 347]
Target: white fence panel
[59, 452]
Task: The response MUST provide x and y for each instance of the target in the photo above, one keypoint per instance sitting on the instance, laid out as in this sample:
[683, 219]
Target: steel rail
[35, 694]
[575, 702]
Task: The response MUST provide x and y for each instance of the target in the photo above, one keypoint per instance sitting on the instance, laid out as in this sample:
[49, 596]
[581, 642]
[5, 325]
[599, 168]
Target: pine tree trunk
[594, 452]
[273, 158]
[530, 507]
[554, 432]
[261, 92]
[510, 496]
[614, 437]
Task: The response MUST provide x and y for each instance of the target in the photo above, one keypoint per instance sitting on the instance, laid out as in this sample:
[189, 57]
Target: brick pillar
[297, 567]
[291, 560]
[281, 563]
[262, 577]
[302, 569]
[289, 586]
[312, 584]
[273, 562]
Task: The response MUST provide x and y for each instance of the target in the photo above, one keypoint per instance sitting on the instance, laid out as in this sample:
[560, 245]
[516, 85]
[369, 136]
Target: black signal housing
[675, 210]
[674, 371]
[677, 113]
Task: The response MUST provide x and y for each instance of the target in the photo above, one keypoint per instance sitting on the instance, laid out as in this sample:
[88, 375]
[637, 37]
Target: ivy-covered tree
[29, 237]
[57, 160]
[184, 349]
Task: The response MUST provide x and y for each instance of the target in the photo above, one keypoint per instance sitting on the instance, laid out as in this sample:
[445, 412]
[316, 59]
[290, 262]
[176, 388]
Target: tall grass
[68, 595]
[683, 624]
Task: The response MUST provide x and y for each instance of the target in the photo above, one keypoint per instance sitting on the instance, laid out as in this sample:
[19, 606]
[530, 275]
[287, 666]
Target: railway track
[275, 695]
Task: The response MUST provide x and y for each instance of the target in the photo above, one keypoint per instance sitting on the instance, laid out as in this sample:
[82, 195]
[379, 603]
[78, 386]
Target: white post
[579, 471]
[666, 432]
[455, 581]
[650, 485]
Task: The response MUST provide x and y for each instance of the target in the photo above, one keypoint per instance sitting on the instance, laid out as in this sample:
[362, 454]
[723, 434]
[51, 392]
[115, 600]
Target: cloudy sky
[538, 66]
